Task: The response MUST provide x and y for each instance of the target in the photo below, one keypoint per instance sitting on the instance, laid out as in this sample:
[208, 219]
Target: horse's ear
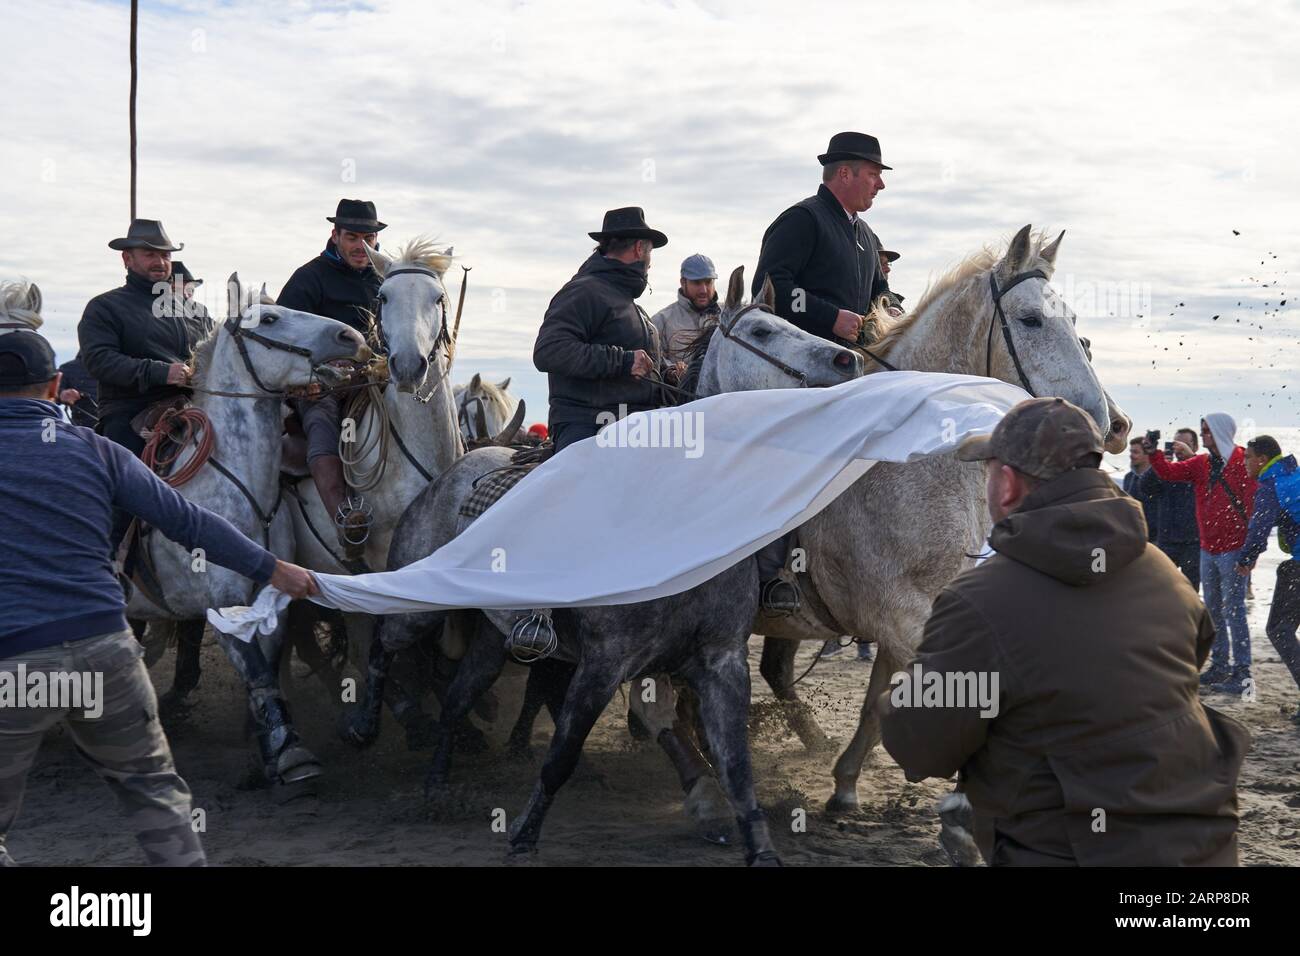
[476, 383]
[767, 295]
[447, 252]
[265, 297]
[381, 261]
[735, 289]
[1017, 253]
[504, 384]
[34, 298]
[1048, 252]
[234, 297]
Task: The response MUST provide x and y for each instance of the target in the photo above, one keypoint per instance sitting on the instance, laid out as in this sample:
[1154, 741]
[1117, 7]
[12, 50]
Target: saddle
[488, 489]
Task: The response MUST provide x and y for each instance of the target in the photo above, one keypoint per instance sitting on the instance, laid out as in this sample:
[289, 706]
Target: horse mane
[201, 357]
[419, 252]
[695, 351]
[963, 273]
[13, 304]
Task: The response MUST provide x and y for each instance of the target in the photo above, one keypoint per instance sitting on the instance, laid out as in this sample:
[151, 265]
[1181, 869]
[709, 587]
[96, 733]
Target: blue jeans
[1224, 591]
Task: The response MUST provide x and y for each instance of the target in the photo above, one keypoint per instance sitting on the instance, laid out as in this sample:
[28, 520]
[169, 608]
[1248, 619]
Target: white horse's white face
[276, 368]
[1042, 328]
[732, 367]
[482, 408]
[413, 312]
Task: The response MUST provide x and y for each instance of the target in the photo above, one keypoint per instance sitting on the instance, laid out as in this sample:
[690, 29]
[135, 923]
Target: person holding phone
[1177, 534]
[1225, 495]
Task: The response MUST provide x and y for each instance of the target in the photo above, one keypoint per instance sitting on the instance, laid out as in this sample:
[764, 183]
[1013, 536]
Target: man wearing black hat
[887, 258]
[824, 264]
[341, 284]
[63, 609]
[597, 346]
[822, 259]
[136, 340]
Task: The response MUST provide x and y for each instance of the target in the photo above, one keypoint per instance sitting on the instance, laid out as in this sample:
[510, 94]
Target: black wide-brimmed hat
[356, 215]
[146, 234]
[853, 146]
[628, 223]
[178, 269]
[889, 254]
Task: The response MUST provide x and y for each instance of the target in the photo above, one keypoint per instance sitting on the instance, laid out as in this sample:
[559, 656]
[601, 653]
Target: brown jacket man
[1097, 750]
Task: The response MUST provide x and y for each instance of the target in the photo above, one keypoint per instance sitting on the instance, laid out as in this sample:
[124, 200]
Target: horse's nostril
[844, 360]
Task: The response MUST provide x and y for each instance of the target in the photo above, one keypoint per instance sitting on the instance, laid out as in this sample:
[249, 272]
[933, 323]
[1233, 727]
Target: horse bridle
[728, 332]
[234, 325]
[443, 338]
[479, 422]
[999, 318]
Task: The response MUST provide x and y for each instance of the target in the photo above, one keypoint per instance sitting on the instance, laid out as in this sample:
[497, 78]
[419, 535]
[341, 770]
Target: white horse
[878, 555]
[483, 409]
[412, 437]
[240, 373]
[406, 437]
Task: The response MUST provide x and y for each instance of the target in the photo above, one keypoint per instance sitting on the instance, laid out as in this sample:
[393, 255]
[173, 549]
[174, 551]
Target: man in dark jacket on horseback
[340, 284]
[824, 263]
[597, 346]
[136, 340]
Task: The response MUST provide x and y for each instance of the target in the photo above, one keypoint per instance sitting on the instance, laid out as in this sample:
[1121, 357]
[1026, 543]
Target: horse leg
[593, 686]
[479, 669]
[720, 677]
[360, 727]
[777, 668]
[849, 766]
[705, 803]
[284, 758]
[189, 645]
[520, 745]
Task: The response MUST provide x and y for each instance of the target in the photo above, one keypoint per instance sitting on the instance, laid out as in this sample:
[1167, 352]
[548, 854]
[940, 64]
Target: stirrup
[779, 596]
[352, 523]
[532, 638]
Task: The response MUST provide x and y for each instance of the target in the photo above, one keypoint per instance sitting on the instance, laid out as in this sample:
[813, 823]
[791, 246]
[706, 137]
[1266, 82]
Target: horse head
[412, 317]
[280, 347]
[1031, 340]
[751, 347]
[483, 408]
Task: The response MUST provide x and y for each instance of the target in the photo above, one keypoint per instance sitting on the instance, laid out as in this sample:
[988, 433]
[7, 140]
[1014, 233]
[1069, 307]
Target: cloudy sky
[1149, 132]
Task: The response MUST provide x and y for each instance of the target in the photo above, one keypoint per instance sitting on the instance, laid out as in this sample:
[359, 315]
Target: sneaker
[779, 595]
[832, 647]
[1236, 684]
[1217, 674]
[866, 654]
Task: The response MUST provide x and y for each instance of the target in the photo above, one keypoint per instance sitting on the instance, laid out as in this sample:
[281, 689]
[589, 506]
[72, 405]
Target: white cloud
[1149, 131]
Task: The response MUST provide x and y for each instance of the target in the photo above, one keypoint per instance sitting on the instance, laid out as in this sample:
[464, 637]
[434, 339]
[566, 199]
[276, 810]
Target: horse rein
[999, 318]
[728, 332]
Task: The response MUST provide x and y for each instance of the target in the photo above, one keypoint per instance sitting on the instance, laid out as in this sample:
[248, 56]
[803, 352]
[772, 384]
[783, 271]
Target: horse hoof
[358, 731]
[521, 854]
[296, 764]
[717, 832]
[820, 745]
[842, 806]
[302, 790]
[766, 858]
[959, 846]
[174, 707]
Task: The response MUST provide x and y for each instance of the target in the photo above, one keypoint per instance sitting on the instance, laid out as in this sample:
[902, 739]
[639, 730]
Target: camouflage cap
[1041, 437]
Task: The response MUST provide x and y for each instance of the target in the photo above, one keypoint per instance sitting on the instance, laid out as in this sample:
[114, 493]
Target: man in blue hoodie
[66, 655]
[1277, 504]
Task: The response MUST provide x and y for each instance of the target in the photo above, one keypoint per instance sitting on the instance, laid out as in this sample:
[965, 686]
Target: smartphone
[1169, 448]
